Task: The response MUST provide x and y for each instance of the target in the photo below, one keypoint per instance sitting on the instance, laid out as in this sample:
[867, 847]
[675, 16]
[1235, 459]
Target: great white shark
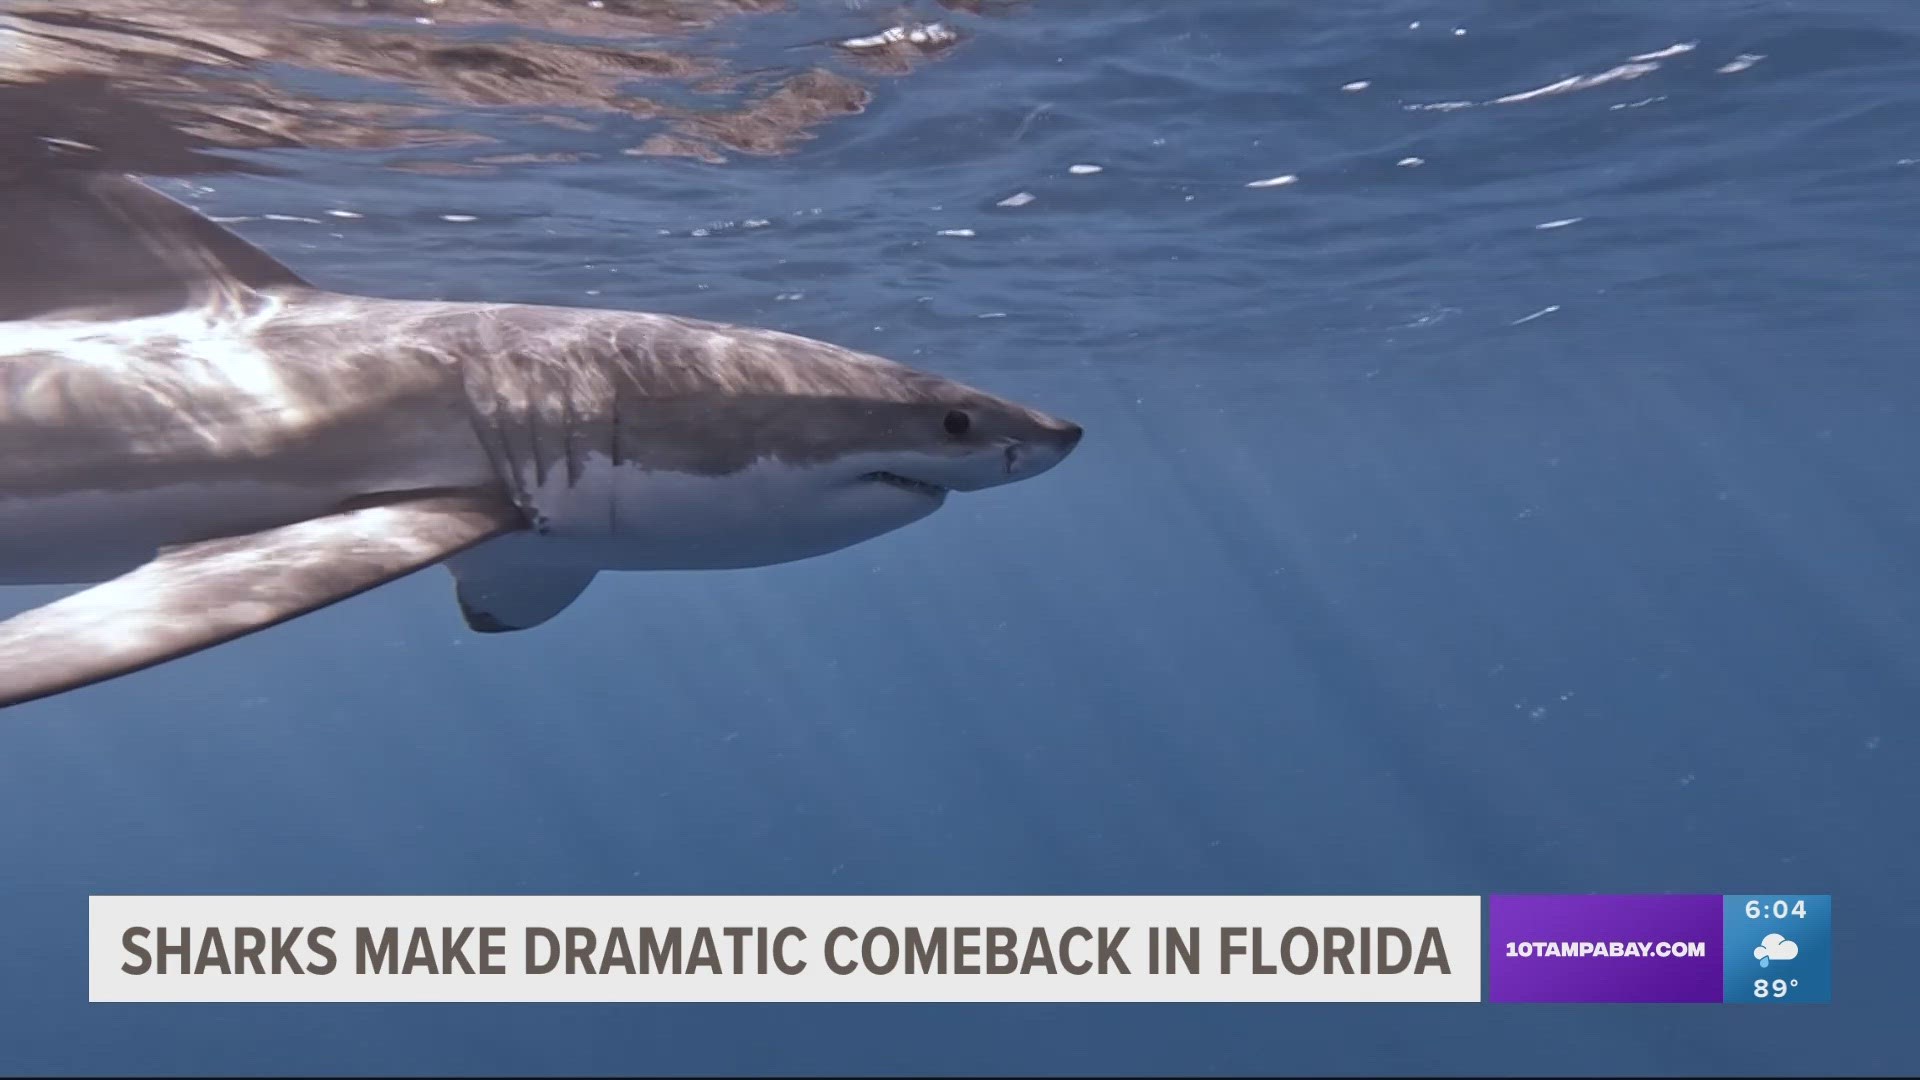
[212, 445]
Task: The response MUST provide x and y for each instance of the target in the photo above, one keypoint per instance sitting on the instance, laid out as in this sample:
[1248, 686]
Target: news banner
[1764, 949]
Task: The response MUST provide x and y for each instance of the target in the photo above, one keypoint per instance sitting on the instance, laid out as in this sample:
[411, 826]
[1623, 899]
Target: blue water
[1413, 546]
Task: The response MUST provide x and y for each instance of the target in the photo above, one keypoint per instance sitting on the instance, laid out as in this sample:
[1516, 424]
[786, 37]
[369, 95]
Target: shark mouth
[907, 483]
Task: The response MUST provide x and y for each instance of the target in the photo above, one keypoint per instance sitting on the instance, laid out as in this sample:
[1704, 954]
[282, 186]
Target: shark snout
[1062, 435]
[1058, 436]
[1048, 447]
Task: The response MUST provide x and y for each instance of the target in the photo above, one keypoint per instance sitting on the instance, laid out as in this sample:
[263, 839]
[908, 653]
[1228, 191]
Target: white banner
[784, 948]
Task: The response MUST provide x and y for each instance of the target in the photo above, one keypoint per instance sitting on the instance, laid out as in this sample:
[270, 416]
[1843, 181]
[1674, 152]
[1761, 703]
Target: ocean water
[1523, 498]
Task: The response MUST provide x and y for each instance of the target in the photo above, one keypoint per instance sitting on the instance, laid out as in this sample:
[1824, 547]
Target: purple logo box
[1604, 948]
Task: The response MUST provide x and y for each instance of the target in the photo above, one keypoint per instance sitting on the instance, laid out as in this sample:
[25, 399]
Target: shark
[205, 445]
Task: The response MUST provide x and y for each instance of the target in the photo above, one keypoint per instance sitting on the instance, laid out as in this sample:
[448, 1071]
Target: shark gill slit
[613, 456]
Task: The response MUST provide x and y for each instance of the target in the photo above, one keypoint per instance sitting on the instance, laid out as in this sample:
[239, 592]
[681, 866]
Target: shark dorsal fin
[106, 246]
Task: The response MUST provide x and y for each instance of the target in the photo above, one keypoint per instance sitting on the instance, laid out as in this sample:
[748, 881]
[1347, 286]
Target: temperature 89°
[1775, 989]
[1779, 909]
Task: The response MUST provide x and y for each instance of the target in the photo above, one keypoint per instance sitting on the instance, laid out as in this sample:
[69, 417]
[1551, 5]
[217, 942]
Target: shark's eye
[958, 423]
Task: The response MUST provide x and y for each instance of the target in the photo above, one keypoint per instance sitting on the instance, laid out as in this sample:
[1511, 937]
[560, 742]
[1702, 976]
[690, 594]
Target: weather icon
[1775, 947]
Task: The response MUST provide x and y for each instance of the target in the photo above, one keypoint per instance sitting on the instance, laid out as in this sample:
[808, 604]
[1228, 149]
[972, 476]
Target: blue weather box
[1779, 948]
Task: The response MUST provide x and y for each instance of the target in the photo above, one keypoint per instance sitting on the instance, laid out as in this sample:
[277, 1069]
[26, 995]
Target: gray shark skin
[211, 446]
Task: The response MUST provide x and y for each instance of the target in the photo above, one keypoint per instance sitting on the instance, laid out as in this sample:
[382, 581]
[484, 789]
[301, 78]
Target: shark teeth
[906, 482]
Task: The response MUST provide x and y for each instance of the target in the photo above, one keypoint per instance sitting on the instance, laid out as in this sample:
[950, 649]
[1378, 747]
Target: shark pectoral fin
[199, 595]
[496, 597]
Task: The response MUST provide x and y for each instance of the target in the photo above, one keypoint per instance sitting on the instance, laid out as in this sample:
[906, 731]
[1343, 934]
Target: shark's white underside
[614, 517]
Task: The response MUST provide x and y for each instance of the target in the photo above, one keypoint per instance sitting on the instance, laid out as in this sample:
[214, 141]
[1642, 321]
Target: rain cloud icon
[1775, 947]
